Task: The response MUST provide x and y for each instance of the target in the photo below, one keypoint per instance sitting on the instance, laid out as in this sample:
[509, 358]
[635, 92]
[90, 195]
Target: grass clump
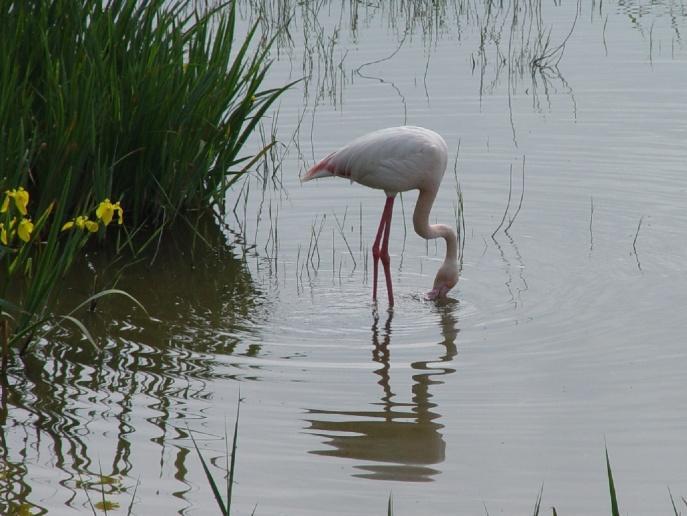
[148, 103]
[108, 106]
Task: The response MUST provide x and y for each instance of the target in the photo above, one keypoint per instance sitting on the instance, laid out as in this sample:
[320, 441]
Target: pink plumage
[396, 160]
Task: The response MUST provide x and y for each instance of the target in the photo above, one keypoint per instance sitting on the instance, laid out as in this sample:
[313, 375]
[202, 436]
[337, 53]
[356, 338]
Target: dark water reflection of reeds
[148, 372]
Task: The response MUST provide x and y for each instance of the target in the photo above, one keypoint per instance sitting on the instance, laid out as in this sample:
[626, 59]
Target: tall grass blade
[672, 501]
[102, 489]
[108, 292]
[232, 467]
[84, 331]
[537, 504]
[88, 497]
[611, 488]
[213, 485]
[133, 497]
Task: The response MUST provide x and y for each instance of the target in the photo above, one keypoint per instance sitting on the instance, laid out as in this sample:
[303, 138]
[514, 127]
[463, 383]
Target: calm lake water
[564, 335]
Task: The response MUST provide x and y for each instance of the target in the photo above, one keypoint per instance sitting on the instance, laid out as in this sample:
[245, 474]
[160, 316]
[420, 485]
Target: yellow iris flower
[81, 222]
[7, 234]
[21, 200]
[25, 229]
[106, 210]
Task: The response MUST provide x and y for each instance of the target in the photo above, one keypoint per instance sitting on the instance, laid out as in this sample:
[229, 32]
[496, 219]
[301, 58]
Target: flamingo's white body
[396, 160]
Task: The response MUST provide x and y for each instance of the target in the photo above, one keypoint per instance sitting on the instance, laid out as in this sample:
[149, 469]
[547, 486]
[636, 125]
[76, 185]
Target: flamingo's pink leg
[386, 262]
[382, 253]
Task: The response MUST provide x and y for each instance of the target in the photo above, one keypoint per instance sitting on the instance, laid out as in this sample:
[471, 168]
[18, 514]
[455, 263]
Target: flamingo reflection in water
[401, 440]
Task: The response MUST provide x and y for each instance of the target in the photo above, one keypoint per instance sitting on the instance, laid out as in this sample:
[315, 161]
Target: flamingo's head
[445, 280]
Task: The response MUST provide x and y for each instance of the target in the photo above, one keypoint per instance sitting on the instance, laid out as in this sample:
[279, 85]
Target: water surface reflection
[397, 440]
[93, 413]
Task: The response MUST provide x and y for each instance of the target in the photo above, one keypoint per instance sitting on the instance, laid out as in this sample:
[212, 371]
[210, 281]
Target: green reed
[148, 103]
[611, 490]
[224, 508]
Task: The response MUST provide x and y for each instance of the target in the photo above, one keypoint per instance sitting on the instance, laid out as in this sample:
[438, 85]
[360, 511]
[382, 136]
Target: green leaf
[215, 491]
[537, 504]
[672, 501]
[108, 292]
[232, 467]
[611, 488]
[84, 331]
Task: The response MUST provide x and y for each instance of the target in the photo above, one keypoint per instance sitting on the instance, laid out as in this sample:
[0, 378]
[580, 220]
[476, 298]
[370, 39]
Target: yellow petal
[68, 225]
[21, 199]
[91, 226]
[6, 203]
[3, 235]
[108, 212]
[105, 211]
[25, 229]
[120, 213]
[99, 209]
[80, 221]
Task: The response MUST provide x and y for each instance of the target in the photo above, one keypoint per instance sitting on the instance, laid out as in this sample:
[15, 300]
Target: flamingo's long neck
[430, 231]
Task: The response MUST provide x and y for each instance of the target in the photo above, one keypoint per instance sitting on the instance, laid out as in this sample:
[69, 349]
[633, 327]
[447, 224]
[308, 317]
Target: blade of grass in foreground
[232, 467]
[537, 504]
[611, 488]
[211, 480]
[672, 501]
[133, 498]
[225, 509]
[390, 506]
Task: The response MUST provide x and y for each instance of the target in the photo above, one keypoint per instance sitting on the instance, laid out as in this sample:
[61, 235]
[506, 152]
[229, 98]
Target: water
[561, 337]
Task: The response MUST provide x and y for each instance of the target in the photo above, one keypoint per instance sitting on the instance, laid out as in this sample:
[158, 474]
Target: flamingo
[398, 159]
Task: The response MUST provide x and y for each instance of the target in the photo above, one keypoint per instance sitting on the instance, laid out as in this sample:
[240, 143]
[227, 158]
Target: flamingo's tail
[322, 168]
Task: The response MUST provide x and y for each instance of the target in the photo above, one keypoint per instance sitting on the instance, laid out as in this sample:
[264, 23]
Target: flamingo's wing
[395, 160]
